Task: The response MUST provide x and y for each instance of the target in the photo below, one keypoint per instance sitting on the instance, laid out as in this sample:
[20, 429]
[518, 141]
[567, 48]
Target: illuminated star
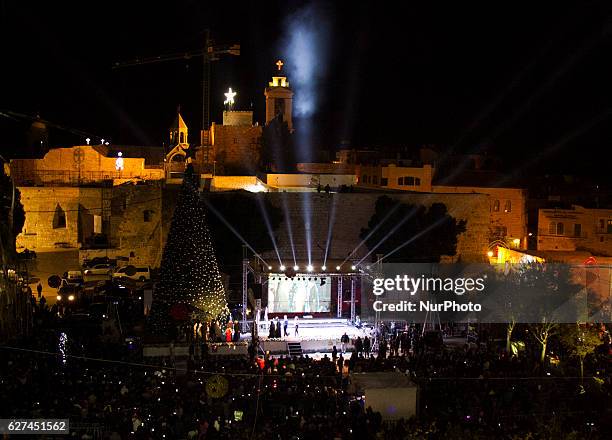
[229, 97]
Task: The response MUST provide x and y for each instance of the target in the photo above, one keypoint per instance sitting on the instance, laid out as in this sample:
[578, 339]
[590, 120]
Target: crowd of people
[473, 391]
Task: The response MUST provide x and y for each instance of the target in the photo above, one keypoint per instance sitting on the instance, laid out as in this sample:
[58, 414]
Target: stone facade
[61, 216]
[575, 229]
[79, 165]
[130, 219]
[136, 220]
[353, 211]
[507, 210]
[234, 149]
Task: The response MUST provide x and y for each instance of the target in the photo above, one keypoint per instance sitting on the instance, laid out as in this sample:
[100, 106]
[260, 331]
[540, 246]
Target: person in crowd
[366, 347]
[344, 340]
[285, 326]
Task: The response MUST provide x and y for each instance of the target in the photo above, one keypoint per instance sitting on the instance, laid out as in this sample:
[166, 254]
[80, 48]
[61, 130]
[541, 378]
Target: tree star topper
[229, 97]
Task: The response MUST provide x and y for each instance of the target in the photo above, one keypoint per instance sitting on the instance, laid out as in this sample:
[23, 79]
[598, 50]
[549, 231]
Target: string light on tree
[189, 273]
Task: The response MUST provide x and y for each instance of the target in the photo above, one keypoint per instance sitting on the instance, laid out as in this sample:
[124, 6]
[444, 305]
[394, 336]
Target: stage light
[337, 267]
[282, 268]
[296, 267]
[309, 268]
[269, 267]
[323, 267]
[353, 267]
[490, 254]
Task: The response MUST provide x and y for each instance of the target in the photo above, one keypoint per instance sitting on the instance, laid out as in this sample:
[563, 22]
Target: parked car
[141, 274]
[72, 278]
[100, 269]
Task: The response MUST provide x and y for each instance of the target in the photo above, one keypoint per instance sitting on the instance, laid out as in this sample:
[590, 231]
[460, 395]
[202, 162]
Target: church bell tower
[279, 97]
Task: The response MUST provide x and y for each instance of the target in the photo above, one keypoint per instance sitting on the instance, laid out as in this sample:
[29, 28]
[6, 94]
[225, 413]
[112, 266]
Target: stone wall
[135, 220]
[352, 211]
[138, 218]
[83, 164]
[45, 205]
[236, 147]
[507, 210]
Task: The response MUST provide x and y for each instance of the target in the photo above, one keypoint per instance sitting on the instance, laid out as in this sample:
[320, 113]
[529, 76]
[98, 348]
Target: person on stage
[296, 324]
[286, 326]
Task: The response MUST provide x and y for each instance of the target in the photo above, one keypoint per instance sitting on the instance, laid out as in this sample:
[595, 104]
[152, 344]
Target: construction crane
[210, 52]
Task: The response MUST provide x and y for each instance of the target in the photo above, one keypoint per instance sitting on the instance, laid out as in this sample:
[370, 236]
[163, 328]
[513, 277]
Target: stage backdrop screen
[300, 294]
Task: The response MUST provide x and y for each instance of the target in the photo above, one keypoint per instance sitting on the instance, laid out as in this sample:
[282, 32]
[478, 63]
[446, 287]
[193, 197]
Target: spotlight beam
[264, 214]
[288, 223]
[385, 218]
[390, 233]
[330, 226]
[306, 202]
[418, 235]
[231, 228]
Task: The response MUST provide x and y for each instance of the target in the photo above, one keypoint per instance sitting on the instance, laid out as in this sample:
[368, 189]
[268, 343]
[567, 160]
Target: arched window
[496, 206]
[59, 218]
[182, 137]
[560, 229]
[508, 206]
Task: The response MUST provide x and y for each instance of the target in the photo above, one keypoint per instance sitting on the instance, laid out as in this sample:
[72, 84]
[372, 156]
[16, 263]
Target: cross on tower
[280, 65]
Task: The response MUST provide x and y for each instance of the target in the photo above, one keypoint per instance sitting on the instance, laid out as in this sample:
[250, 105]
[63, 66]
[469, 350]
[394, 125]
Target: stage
[315, 336]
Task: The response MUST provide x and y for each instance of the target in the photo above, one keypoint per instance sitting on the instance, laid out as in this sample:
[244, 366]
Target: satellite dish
[130, 270]
[54, 281]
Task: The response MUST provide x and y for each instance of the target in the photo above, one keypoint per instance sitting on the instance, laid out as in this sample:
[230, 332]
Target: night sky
[528, 81]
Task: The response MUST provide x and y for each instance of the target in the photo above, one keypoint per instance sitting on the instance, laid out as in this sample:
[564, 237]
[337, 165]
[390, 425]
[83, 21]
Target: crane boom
[209, 53]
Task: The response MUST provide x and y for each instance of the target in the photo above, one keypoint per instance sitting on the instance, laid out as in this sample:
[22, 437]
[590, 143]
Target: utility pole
[209, 53]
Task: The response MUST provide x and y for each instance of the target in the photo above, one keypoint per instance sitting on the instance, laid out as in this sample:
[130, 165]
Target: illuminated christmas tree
[189, 274]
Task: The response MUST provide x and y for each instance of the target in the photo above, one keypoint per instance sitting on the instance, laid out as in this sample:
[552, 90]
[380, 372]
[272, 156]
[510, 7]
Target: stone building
[90, 164]
[507, 206]
[575, 229]
[233, 147]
